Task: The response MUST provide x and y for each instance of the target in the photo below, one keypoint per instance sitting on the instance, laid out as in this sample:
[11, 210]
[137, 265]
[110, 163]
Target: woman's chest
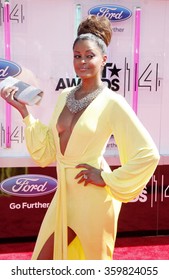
[67, 120]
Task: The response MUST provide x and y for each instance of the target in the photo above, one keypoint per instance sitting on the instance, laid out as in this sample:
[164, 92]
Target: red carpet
[142, 248]
[132, 248]
[16, 251]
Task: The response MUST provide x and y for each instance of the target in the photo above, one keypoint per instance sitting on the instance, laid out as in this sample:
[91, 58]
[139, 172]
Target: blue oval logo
[29, 185]
[112, 12]
[9, 68]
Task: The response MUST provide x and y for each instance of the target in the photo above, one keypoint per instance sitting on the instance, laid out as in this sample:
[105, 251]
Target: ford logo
[8, 68]
[112, 12]
[29, 185]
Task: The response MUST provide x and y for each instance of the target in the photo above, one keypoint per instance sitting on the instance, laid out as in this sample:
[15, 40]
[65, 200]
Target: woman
[81, 222]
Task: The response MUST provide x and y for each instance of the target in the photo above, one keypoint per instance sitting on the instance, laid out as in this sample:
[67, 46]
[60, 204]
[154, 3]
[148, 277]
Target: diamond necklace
[75, 105]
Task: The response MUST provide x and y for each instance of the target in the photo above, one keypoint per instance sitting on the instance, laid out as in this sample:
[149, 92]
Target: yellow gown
[91, 211]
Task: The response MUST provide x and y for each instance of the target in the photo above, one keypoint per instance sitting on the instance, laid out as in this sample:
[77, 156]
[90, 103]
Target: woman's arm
[8, 93]
[138, 154]
[39, 137]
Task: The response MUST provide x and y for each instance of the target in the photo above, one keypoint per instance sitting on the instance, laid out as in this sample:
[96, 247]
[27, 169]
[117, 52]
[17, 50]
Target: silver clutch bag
[26, 93]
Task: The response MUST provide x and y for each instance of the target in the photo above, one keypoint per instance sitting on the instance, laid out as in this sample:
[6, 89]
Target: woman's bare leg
[47, 250]
[71, 235]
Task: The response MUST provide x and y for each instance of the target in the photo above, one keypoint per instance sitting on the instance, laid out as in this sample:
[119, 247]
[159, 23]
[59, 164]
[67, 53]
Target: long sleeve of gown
[40, 141]
[138, 154]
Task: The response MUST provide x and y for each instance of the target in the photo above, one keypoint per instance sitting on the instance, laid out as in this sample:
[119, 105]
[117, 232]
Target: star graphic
[114, 71]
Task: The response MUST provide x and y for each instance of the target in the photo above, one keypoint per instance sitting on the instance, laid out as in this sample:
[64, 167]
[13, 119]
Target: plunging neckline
[72, 131]
[76, 123]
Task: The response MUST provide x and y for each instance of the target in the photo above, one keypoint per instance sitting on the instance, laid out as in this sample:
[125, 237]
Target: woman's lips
[83, 69]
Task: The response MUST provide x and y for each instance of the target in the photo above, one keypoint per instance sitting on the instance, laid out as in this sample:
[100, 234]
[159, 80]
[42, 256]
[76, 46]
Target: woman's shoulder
[64, 92]
[113, 96]
[116, 101]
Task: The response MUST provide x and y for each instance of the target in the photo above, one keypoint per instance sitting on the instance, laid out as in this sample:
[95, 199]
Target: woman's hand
[90, 175]
[8, 94]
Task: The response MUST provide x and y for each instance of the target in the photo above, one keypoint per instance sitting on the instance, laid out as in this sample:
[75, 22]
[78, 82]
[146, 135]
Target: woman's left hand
[90, 175]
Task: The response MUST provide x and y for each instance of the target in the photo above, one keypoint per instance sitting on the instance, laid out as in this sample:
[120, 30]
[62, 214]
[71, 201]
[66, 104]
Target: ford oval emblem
[8, 68]
[112, 12]
[29, 185]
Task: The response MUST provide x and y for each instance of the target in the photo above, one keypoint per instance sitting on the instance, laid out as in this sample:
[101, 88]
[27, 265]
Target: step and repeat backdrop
[36, 47]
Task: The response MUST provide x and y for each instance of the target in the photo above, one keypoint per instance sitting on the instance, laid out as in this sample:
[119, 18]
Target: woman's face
[88, 59]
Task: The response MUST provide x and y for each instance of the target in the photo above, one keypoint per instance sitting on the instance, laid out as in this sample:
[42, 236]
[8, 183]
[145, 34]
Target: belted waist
[65, 162]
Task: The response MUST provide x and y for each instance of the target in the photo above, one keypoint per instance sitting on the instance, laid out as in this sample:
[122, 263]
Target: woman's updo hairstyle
[98, 29]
